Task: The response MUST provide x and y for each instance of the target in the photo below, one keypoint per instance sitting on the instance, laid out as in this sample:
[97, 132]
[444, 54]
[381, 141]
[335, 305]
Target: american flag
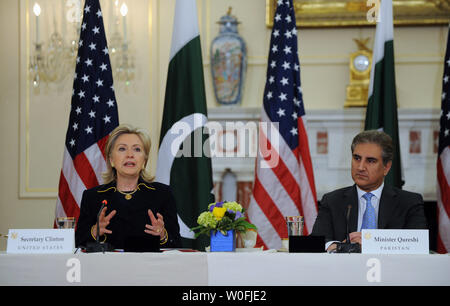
[284, 180]
[443, 161]
[93, 115]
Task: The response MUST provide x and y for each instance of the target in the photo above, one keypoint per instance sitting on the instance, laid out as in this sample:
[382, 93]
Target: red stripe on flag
[306, 158]
[283, 174]
[85, 171]
[101, 144]
[269, 208]
[68, 202]
[444, 187]
[260, 243]
[442, 213]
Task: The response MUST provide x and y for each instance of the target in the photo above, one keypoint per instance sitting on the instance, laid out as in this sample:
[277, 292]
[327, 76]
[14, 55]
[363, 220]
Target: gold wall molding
[342, 59]
[352, 13]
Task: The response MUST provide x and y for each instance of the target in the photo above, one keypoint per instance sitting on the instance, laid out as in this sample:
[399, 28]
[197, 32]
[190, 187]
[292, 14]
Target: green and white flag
[184, 162]
[382, 105]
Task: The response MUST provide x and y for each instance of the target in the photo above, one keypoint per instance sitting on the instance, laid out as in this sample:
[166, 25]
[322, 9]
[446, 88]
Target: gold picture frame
[352, 13]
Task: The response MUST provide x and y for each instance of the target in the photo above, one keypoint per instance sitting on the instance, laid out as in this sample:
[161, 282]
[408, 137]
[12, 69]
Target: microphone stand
[348, 247]
[97, 246]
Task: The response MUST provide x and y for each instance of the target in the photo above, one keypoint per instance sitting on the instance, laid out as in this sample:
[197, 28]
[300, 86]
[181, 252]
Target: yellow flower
[219, 212]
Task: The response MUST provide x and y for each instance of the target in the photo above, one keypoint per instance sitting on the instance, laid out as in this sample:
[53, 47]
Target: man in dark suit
[372, 204]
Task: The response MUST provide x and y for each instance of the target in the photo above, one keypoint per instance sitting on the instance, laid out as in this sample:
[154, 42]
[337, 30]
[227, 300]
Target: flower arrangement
[222, 216]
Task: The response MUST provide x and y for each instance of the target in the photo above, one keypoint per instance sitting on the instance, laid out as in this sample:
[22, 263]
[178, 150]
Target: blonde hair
[110, 174]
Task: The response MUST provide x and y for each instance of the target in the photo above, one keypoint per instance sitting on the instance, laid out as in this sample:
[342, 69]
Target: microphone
[97, 246]
[348, 247]
[104, 203]
[349, 207]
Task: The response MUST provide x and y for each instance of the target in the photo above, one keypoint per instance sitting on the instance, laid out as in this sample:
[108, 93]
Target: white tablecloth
[286, 269]
[105, 269]
[201, 269]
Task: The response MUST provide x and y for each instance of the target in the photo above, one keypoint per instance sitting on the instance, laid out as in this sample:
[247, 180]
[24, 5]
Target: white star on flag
[281, 112]
[287, 50]
[110, 103]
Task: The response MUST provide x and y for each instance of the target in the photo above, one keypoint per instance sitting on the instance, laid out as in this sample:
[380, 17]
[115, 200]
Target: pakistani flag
[183, 159]
[382, 105]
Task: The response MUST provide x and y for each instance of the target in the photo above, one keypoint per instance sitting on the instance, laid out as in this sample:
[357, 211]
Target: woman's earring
[112, 165]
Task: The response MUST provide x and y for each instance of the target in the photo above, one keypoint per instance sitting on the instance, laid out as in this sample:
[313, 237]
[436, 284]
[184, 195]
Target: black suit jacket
[398, 209]
[131, 215]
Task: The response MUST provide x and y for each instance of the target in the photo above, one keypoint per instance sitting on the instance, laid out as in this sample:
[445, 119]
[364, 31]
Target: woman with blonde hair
[137, 208]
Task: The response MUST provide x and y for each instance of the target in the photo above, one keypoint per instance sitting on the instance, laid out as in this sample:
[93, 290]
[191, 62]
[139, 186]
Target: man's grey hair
[377, 137]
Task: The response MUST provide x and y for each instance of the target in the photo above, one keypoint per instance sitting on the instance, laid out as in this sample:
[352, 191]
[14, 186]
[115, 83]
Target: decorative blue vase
[223, 243]
[228, 62]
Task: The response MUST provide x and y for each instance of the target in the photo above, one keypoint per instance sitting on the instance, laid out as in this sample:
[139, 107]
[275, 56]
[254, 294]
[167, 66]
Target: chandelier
[52, 61]
[122, 60]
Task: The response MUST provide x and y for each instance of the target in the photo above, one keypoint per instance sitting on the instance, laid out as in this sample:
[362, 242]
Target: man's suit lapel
[351, 197]
[387, 205]
[388, 202]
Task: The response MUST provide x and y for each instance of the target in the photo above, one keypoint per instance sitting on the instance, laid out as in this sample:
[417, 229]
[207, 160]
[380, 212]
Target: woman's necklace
[128, 195]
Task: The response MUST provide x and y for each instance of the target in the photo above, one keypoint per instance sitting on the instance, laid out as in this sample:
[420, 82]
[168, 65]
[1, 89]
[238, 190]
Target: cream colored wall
[14, 212]
[33, 128]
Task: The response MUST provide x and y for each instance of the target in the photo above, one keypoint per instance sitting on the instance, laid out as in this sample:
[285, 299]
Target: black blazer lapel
[388, 202]
[351, 197]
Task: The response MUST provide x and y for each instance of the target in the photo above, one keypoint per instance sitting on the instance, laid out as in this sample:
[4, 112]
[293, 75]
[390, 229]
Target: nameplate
[40, 241]
[394, 241]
